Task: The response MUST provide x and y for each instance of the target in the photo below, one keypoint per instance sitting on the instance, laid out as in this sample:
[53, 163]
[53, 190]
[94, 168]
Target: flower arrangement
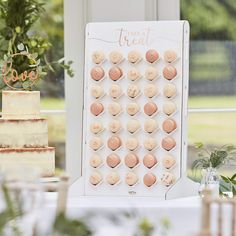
[23, 52]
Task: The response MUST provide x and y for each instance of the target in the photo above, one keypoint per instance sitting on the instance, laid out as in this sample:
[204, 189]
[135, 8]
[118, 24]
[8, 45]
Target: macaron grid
[133, 116]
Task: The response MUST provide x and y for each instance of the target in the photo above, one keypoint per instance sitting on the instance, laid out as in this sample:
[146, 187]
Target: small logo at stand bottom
[132, 192]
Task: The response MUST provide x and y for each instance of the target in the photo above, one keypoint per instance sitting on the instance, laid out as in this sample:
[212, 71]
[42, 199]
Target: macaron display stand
[125, 179]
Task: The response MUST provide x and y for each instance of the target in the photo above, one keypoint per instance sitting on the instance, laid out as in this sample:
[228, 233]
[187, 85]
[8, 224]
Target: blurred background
[212, 74]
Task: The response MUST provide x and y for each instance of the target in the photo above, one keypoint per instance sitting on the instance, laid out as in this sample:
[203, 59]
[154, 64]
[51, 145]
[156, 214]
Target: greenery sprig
[215, 157]
[16, 35]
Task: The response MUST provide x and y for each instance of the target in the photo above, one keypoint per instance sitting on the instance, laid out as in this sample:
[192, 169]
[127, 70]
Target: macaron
[132, 108]
[113, 160]
[95, 143]
[168, 161]
[168, 143]
[131, 160]
[97, 73]
[95, 161]
[131, 178]
[114, 143]
[149, 179]
[96, 108]
[114, 108]
[169, 125]
[151, 73]
[115, 57]
[170, 56]
[149, 160]
[152, 55]
[169, 108]
[150, 144]
[150, 90]
[97, 91]
[115, 73]
[150, 108]
[98, 57]
[114, 126]
[169, 72]
[95, 178]
[167, 178]
[132, 144]
[133, 125]
[96, 127]
[134, 56]
[169, 90]
[150, 125]
[113, 178]
[133, 74]
[133, 91]
[115, 91]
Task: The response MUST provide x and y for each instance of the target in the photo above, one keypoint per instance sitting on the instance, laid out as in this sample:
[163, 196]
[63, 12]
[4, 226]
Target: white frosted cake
[23, 134]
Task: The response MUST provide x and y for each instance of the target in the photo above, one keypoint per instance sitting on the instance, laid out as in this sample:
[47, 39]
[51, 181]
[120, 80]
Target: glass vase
[210, 180]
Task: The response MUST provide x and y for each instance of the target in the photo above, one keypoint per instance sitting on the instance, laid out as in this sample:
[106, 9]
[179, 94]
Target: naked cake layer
[23, 133]
[41, 158]
[20, 104]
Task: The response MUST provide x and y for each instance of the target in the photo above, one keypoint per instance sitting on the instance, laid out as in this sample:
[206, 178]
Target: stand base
[184, 187]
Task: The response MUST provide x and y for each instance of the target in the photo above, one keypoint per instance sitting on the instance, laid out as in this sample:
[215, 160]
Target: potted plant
[209, 162]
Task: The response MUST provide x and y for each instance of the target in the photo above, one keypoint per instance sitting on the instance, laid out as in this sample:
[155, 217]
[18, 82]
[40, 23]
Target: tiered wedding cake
[24, 134]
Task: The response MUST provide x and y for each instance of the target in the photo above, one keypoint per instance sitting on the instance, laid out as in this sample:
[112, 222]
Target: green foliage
[211, 19]
[146, 227]
[214, 158]
[67, 227]
[17, 19]
[228, 184]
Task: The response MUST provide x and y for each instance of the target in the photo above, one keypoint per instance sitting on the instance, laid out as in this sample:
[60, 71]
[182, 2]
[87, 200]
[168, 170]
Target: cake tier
[23, 133]
[20, 104]
[42, 159]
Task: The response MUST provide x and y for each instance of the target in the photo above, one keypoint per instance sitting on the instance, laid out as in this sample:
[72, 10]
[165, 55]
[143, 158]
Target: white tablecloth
[183, 213]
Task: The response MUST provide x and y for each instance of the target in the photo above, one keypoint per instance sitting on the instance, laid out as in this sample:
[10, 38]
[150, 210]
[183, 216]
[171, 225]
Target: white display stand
[162, 35]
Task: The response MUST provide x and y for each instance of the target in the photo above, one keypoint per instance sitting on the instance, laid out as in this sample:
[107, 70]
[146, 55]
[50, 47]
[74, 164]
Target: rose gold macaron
[96, 108]
[113, 160]
[97, 73]
[150, 108]
[115, 73]
[169, 125]
[114, 143]
[169, 72]
[168, 143]
[149, 179]
[149, 160]
[131, 160]
[152, 55]
[170, 56]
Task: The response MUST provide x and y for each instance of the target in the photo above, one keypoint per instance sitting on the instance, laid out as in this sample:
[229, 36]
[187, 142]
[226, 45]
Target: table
[183, 213]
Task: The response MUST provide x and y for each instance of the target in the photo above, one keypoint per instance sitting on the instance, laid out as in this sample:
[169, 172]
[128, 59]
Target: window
[52, 88]
[212, 91]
